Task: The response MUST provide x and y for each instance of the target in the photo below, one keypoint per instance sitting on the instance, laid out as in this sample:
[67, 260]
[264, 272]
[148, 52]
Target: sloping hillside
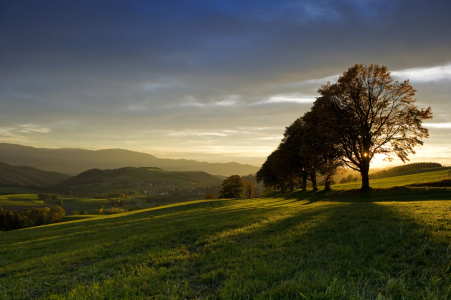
[150, 175]
[28, 176]
[387, 243]
[75, 161]
[408, 169]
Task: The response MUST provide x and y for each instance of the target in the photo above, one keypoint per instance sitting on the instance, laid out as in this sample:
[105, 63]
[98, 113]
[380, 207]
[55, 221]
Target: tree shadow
[392, 194]
[354, 249]
[352, 246]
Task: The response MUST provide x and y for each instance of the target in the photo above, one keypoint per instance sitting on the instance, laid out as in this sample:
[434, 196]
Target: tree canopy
[365, 113]
[370, 113]
[232, 187]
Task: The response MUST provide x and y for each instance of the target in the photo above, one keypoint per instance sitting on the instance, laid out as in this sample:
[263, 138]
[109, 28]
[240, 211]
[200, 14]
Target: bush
[59, 203]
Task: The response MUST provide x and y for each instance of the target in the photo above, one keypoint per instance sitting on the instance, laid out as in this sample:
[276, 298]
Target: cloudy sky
[211, 80]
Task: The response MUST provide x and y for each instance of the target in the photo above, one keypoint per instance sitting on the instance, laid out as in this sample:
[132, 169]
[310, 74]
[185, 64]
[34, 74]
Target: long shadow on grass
[401, 193]
[237, 252]
[360, 249]
[89, 251]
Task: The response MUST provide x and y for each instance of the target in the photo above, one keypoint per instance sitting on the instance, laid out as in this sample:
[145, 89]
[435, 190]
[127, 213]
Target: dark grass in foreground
[336, 245]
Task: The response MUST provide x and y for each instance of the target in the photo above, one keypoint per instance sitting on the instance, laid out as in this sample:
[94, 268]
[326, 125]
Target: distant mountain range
[128, 175]
[74, 161]
[28, 176]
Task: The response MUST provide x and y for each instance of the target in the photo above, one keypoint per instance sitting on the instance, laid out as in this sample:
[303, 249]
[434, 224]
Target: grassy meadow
[21, 201]
[393, 242]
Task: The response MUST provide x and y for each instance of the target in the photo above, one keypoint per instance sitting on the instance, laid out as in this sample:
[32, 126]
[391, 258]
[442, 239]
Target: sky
[210, 80]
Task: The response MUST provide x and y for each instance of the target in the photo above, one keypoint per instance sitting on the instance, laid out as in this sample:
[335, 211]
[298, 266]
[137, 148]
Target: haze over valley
[292, 149]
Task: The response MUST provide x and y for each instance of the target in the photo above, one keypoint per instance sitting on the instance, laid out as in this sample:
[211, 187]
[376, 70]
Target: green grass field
[14, 190]
[397, 180]
[18, 202]
[388, 243]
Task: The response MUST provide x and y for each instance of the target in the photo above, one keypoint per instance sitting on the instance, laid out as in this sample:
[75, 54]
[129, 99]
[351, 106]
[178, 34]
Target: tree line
[10, 220]
[364, 114]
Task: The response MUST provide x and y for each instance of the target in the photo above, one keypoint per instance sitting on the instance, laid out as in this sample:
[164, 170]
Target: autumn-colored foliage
[365, 113]
[249, 189]
[371, 113]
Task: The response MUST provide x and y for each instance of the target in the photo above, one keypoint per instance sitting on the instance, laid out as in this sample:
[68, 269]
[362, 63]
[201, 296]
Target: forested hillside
[28, 176]
[132, 176]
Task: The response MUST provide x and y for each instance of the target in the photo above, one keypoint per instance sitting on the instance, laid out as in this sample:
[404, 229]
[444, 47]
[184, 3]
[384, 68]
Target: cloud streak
[195, 75]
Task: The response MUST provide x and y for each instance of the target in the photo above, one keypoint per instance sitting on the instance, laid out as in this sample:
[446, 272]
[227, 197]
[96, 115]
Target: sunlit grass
[7, 202]
[396, 181]
[22, 197]
[290, 246]
[386, 243]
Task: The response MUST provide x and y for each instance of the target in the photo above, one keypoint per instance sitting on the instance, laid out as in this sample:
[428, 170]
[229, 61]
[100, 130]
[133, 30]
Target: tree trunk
[327, 184]
[304, 182]
[313, 180]
[364, 171]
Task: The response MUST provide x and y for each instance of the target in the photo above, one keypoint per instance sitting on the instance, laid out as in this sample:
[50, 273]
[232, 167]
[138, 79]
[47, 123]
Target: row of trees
[365, 113]
[10, 220]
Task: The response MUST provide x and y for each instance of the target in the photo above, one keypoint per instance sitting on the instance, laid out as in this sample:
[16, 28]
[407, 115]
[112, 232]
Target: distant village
[165, 187]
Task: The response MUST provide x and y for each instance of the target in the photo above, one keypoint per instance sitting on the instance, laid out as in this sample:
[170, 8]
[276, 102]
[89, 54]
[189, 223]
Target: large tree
[273, 172]
[372, 113]
[296, 166]
[321, 148]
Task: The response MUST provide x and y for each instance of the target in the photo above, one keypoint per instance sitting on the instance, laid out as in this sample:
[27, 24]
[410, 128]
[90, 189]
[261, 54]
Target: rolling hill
[407, 169]
[74, 161]
[28, 176]
[391, 242]
[130, 175]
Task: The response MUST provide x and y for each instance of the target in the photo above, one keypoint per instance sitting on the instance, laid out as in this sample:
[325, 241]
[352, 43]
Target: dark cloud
[121, 67]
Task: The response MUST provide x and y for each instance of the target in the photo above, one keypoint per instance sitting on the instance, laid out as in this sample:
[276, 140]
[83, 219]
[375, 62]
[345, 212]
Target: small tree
[232, 187]
[59, 203]
[209, 196]
[249, 189]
